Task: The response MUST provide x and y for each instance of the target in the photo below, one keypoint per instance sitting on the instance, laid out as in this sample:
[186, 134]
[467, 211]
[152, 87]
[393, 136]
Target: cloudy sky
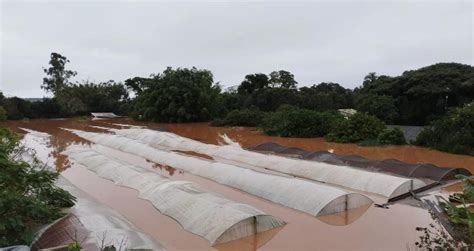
[317, 41]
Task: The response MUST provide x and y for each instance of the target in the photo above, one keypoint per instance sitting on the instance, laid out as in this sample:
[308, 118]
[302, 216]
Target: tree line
[416, 97]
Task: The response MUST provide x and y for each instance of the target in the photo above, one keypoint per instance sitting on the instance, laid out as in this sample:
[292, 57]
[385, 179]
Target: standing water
[362, 228]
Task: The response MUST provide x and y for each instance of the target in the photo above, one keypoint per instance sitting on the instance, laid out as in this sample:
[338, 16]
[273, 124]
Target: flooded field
[362, 228]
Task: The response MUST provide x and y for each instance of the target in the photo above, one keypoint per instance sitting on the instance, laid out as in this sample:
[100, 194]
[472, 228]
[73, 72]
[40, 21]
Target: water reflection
[249, 243]
[346, 217]
[303, 232]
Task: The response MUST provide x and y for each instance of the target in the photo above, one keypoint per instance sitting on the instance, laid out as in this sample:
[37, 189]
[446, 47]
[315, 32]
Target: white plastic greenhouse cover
[206, 214]
[106, 225]
[103, 224]
[378, 183]
[309, 197]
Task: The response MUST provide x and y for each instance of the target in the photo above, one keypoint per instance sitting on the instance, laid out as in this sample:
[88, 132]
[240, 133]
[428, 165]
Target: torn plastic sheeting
[206, 214]
[309, 197]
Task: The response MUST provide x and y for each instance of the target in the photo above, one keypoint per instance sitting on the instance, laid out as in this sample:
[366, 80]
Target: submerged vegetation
[356, 128]
[291, 121]
[391, 136]
[29, 197]
[416, 97]
[244, 117]
[461, 218]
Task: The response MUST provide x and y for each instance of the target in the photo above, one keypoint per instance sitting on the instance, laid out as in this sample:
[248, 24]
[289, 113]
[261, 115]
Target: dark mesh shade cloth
[62, 233]
[391, 166]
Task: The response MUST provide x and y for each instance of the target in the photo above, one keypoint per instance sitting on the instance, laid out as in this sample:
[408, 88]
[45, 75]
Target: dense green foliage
[454, 132]
[356, 128]
[16, 108]
[381, 106]
[29, 197]
[424, 94]
[176, 95]
[416, 97]
[57, 75]
[72, 100]
[325, 97]
[391, 136]
[290, 121]
[3, 114]
[69, 99]
[47, 108]
[244, 117]
[84, 98]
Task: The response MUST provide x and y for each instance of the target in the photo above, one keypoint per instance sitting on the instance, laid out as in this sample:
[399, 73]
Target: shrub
[289, 121]
[453, 132]
[244, 117]
[391, 136]
[29, 197]
[356, 128]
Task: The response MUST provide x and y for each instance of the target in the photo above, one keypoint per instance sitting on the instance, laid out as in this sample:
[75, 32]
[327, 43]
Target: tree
[453, 132]
[17, 108]
[253, 82]
[325, 96]
[178, 95]
[269, 99]
[424, 94]
[83, 98]
[137, 84]
[282, 79]
[46, 108]
[370, 80]
[57, 75]
[381, 106]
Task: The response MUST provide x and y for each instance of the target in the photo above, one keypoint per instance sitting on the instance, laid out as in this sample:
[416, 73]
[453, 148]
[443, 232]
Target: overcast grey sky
[317, 41]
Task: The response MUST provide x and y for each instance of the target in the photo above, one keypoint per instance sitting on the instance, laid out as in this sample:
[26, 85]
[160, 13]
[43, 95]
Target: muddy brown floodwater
[368, 228]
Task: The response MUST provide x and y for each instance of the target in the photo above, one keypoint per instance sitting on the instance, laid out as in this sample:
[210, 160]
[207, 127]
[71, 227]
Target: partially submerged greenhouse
[391, 166]
[306, 196]
[386, 185]
[94, 225]
[209, 215]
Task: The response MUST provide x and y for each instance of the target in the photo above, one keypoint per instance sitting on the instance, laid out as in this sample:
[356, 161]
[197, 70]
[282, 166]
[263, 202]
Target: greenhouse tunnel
[94, 224]
[391, 166]
[209, 215]
[355, 179]
[309, 197]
